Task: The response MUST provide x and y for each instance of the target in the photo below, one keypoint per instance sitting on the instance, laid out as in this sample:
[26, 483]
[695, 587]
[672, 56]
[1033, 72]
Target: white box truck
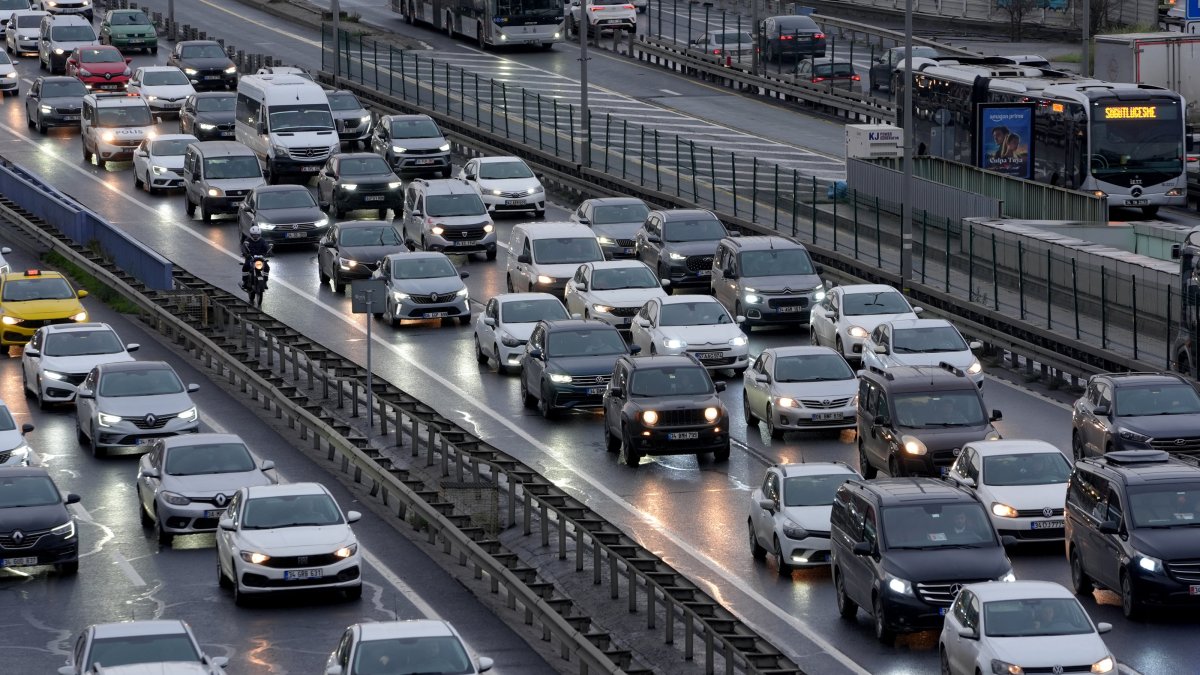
[1170, 60]
[286, 121]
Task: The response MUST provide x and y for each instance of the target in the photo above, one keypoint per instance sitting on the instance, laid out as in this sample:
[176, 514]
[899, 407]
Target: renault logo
[18, 537]
[1047, 512]
[108, 76]
[433, 297]
[955, 589]
[302, 560]
[151, 419]
[220, 500]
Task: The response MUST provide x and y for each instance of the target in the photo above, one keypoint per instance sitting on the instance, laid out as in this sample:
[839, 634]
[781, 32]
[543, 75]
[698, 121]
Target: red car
[99, 67]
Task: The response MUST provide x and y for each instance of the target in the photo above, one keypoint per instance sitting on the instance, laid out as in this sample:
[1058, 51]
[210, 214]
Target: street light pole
[335, 7]
[585, 117]
[1085, 66]
[755, 56]
[906, 217]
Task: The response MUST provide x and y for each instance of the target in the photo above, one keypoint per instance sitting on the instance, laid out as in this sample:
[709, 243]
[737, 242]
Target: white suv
[611, 15]
[113, 125]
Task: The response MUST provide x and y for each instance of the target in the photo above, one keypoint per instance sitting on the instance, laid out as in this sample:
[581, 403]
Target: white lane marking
[81, 513]
[123, 564]
[672, 93]
[260, 24]
[500, 417]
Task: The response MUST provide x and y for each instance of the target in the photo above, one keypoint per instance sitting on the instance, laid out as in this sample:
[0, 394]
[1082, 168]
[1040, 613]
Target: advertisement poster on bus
[1005, 140]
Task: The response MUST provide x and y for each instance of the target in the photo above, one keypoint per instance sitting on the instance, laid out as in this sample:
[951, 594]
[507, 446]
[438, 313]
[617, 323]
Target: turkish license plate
[170, 104]
[310, 168]
[424, 161]
[1194, 590]
[144, 441]
[595, 391]
[942, 611]
[135, 41]
[71, 118]
[17, 562]
[1046, 525]
[790, 308]
[514, 202]
[826, 416]
[110, 86]
[213, 513]
[436, 315]
[474, 242]
[683, 435]
[707, 356]
[374, 198]
[303, 574]
[296, 235]
[212, 77]
[626, 251]
[1136, 202]
[943, 470]
[704, 273]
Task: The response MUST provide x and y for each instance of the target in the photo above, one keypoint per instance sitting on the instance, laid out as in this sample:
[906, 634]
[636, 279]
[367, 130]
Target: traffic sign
[1191, 10]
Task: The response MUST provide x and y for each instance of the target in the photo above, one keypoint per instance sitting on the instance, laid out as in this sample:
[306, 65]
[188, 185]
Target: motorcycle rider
[252, 246]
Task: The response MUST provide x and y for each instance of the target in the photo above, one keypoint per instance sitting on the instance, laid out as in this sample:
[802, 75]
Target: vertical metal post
[906, 208]
[1085, 66]
[625, 138]
[754, 190]
[1104, 308]
[879, 238]
[1133, 298]
[1049, 287]
[813, 203]
[712, 174]
[795, 198]
[754, 55]
[689, 23]
[554, 102]
[335, 9]
[733, 180]
[571, 126]
[370, 371]
[585, 157]
[607, 125]
[1075, 296]
[1021, 278]
[642, 157]
[947, 261]
[541, 135]
[657, 164]
[854, 201]
[695, 185]
[775, 216]
[995, 280]
[924, 242]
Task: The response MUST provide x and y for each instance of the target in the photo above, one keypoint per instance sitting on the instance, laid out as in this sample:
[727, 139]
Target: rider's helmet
[255, 232]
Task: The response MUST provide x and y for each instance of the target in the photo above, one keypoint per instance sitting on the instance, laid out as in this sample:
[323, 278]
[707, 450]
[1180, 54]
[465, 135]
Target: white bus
[490, 23]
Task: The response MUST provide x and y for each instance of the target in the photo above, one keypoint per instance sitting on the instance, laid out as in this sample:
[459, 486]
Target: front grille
[293, 227]
[566, 399]
[1189, 444]
[625, 243]
[67, 111]
[624, 311]
[5, 456]
[942, 593]
[1038, 513]
[680, 418]
[1058, 669]
[430, 151]
[514, 195]
[819, 534]
[308, 153]
[74, 379]
[29, 539]
[236, 193]
[468, 233]
[38, 323]
[591, 380]
[290, 562]
[788, 302]
[696, 263]
[433, 298]
[144, 422]
[1186, 571]
[123, 143]
[348, 124]
[824, 403]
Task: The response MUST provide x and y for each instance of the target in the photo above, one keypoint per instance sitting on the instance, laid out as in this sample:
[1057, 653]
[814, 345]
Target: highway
[691, 514]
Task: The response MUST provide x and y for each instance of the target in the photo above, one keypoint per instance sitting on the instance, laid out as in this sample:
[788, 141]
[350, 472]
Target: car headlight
[711, 414]
[603, 309]
[975, 368]
[348, 187]
[674, 343]
[83, 72]
[676, 256]
[496, 193]
[1005, 668]
[543, 279]
[46, 109]
[819, 292]
[462, 293]
[346, 263]
[108, 137]
[787, 402]
[107, 420]
[364, 119]
[254, 558]
[151, 98]
[205, 126]
[857, 332]
[1008, 577]
[53, 375]
[396, 148]
[1004, 510]
[559, 378]
[1149, 564]
[489, 227]
[437, 230]
[11, 320]
[215, 192]
[605, 241]
[346, 551]
[510, 341]
[1131, 435]
[394, 186]
[792, 530]
[992, 436]
[189, 414]
[753, 299]
[399, 296]
[265, 226]
[649, 417]
[175, 498]
[532, 190]
[899, 586]
[913, 445]
[231, 70]
[1104, 665]
[66, 530]
[59, 52]
[444, 147]
[20, 455]
[191, 71]
[323, 222]
[739, 341]
[158, 170]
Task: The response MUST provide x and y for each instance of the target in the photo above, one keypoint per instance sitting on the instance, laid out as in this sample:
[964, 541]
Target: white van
[59, 35]
[542, 257]
[286, 121]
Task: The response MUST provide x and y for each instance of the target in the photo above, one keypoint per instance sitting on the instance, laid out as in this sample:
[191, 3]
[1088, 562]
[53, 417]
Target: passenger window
[871, 400]
[973, 612]
[760, 363]
[1113, 512]
[1082, 494]
[877, 335]
[1093, 394]
[959, 610]
[1105, 396]
[773, 486]
[973, 466]
[870, 531]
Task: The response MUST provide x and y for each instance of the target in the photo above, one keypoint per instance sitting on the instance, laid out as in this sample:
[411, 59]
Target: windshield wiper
[913, 548]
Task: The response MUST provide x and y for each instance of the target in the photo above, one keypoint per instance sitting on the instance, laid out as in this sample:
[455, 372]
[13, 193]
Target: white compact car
[158, 162]
[14, 450]
[422, 646]
[790, 511]
[24, 27]
[613, 291]
[147, 643]
[506, 323]
[1021, 627]
[506, 184]
[801, 389]
[287, 537]
[10, 79]
[692, 324]
[59, 356]
[164, 87]
[921, 342]
[4, 267]
[1023, 484]
[848, 314]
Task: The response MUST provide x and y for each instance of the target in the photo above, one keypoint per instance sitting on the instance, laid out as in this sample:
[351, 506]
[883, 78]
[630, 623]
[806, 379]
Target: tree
[1017, 11]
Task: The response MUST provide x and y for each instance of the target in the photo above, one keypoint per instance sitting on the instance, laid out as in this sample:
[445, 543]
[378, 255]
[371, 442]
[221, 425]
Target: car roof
[156, 668]
[1141, 379]
[901, 324]
[552, 230]
[682, 299]
[416, 255]
[448, 186]
[799, 350]
[27, 12]
[100, 48]
[215, 94]
[497, 160]
[764, 242]
[616, 264]
[185, 440]
[794, 19]
[25, 471]
[128, 366]
[403, 118]
[191, 43]
[134, 628]
[664, 361]
[613, 201]
[850, 289]
[509, 297]
[288, 188]
[899, 491]
[1023, 446]
[355, 155]
[69, 327]
[175, 137]
[222, 148]
[923, 378]
[57, 78]
[1161, 467]
[826, 60]
[385, 630]
[556, 325]
[354, 223]
[792, 469]
[1018, 590]
[158, 69]
[685, 214]
[69, 19]
[286, 490]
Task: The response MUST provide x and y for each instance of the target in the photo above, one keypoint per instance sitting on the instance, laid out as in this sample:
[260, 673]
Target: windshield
[6, 420]
[1132, 138]
[418, 128]
[232, 167]
[124, 116]
[731, 38]
[937, 526]
[833, 69]
[531, 311]
[619, 213]
[151, 382]
[585, 342]
[1167, 399]
[1165, 506]
[82, 343]
[1040, 468]
[1034, 616]
[29, 21]
[501, 170]
[265, 513]
[63, 88]
[624, 277]
[216, 103]
[703, 313]
[14, 4]
[812, 490]
[883, 302]
[170, 147]
[127, 18]
[776, 263]
[682, 381]
[344, 101]
[300, 118]
[172, 77]
[375, 235]
[363, 166]
[100, 56]
[423, 268]
[447, 206]
[20, 491]
[287, 199]
[123, 651]
[693, 230]
[202, 52]
[563, 250]
[944, 409]
[195, 460]
[430, 655]
[927, 339]
[812, 368]
[45, 288]
[72, 33]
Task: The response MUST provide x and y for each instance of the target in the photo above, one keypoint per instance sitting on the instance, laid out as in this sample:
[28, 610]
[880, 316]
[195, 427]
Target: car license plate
[708, 356]
[704, 273]
[303, 574]
[1136, 202]
[790, 308]
[71, 118]
[17, 562]
[213, 513]
[826, 416]
[1194, 590]
[943, 470]
[311, 168]
[212, 77]
[424, 161]
[1046, 525]
[136, 41]
[514, 202]
[467, 243]
[942, 611]
[144, 441]
[296, 235]
[374, 198]
[683, 435]
[596, 391]
[436, 315]
[627, 251]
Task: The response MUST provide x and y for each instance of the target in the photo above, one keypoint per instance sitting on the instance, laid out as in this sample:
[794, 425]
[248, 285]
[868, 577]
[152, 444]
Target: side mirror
[967, 634]
[576, 315]
[333, 670]
[1176, 251]
[653, 239]
[4, 250]
[85, 393]
[644, 323]
[583, 221]
[218, 661]
[879, 349]
[880, 421]
[489, 322]
[132, 347]
[965, 480]
[1103, 628]
[1110, 527]
[72, 498]
[720, 386]
[226, 524]
[150, 472]
[734, 233]
[740, 318]
[26, 428]
[616, 392]
[66, 670]
[664, 282]
[997, 416]
[1100, 411]
[193, 388]
[535, 353]
[862, 548]
[261, 127]
[767, 505]
[762, 377]
[81, 294]
[582, 286]
[635, 349]
[485, 664]
[353, 516]
[463, 275]
[416, 213]
[730, 274]
[128, 60]
[524, 259]
[267, 465]
[975, 344]
[30, 351]
[918, 310]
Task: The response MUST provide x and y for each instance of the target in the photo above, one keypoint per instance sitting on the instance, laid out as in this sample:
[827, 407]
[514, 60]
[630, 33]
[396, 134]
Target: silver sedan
[131, 404]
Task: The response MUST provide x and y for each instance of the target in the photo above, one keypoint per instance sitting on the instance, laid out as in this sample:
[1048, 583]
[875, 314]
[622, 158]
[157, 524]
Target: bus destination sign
[1131, 112]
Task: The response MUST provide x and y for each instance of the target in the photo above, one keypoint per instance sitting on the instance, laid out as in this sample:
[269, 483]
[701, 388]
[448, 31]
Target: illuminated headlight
[107, 420]
[1008, 577]
[649, 417]
[753, 299]
[83, 72]
[265, 226]
[176, 499]
[394, 186]
[1130, 435]
[66, 530]
[792, 530]
[204, 126]
[557, 36]
[503, 37]
[677, 256]
[254, 558]
[1004, 510]
[396, 148]
[346, 551]
[151, 134]
[151, 98]
[1173, 192]
[188, 415]
[108, 137]
[346, 263]
[53, 375]
[60, 52]
[159, 170]
[739, 341]
[489, 227]
[533, 190]
[79, 316]
[496, 193]
[364, 119]
[399, 297]
[348, 187]
[46, 109]
[13, 75]
[819, 293]
[1149, 564]
[191, 71]
[992, 436]
[786, 402]
[444, 147]
[711, 414]
[231, 70]
[559, 378]
[11, 320]
[603, 309]
[1005, 668]
[898, 585]
[437, 230]
[674, 343]
[857, 332]
[976, 368]
[1104, 665]
[324, 221]
[913, 446]
[215, 192]
[605, 241]
[543, 279]
[462, 293]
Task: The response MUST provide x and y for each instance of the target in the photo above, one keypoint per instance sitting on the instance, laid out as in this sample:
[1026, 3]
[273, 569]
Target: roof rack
[1127, 457]
[951, 368]
[880, 371]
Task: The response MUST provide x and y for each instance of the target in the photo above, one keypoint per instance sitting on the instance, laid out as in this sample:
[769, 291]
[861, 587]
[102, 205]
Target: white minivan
[542, 257]
[286, 121]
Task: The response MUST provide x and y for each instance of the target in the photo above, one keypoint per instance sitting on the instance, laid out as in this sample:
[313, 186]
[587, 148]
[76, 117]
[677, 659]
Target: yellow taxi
[36, 298]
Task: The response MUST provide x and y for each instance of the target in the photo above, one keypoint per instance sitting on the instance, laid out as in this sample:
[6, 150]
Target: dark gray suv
[768, 280]
[680, 244]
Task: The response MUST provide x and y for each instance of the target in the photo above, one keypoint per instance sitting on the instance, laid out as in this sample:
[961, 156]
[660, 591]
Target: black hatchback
[35, 527]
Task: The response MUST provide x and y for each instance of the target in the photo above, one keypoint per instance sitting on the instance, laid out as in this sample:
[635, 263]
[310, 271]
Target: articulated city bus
[490, 22]
[1125, 141]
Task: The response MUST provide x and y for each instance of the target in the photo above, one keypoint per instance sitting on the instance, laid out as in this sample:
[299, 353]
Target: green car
[129, 29]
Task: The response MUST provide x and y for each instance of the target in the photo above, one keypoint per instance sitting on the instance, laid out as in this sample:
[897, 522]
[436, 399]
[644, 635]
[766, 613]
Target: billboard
[1005, 138]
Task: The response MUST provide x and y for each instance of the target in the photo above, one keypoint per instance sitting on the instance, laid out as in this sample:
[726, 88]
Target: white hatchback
[848, 314]
[158, 162]
[507, 184]
[921, 342]
[507, 321]
[613, 291]
[163, 87]
[790, 512]
[421, 646]
[1022, 483]
[692, 324]
[59, 357]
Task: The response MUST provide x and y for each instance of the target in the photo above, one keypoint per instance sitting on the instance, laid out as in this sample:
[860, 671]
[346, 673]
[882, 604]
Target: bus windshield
[519, 8]
[1136, 136]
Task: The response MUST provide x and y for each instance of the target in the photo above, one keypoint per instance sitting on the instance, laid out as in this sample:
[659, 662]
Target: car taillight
[818, 36]
[856, 78]
[627, 6]
[818, 78]
[716, 51]
[787, 37]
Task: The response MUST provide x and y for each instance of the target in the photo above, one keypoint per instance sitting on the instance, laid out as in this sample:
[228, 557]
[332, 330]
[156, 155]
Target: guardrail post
[597, 559]
[527, 513]
[754, 189]
[1104, 308]
[1075, 296]
[835, 222]
[709, 666]
[1133, 298]
[624, 145]
[642, 157]
[995, 279]
[775, 217]
[1168, 335]
[813, 208]
[562, 538]
[1021, 279]
[544, 525]
[607, 146]
[614, 579]
[554, 102]
[570, 127]
[854, 203]
[669, 633]
[947, 260]
[733, 181]
[971, 263]
[795, 198]
[879, 242]
[1049, 286]
[504, 102]
[631, 576]
[924, 240]
[695, 171]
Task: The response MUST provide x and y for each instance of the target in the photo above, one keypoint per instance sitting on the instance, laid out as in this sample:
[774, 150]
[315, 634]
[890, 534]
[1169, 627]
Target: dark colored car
[901, 549]
[1136, 411]
[884, 65]
[99, 67]
[1131, 527]
[914, 420]
[286, 214]
[680, 244]
[359, 180]
[412, 144]
[54, 101]
[568, 364]
[664, 405]
[789, 38]
[208, 115]
[205, 63]
[35, 526]
[351, 118]
[615, 220]
[352, 250]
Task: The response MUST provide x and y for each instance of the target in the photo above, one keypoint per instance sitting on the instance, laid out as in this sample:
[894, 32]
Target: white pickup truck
[603, 15]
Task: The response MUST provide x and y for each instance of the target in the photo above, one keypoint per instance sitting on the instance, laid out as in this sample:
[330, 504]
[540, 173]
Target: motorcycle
[257, 282]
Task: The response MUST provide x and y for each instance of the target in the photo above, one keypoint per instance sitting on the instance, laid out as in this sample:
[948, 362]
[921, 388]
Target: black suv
[1136, 411]
[902, 548]
[1133, 526]
[664, 405]
[680, 244]
[568, 363]
[35, 526]
[915, 419]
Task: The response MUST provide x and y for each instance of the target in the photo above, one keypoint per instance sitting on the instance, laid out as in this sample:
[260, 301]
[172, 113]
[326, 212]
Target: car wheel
[153, 51]
[1080, 582]
[42, 403]
[1108, 447]
[747, 413]
[782, 568]
[882, 632]
[67, 568]
[137, 182]
[382, 216]
[205, 216]
[25, 384]
[222, 580]
[721, 454]
[1131, 604]
[79, 435]
[539, 213]
[865, 467]
[480, 357]
[527, 399]
[164, 538]
[847, 608]
[611, 442]
[508, 283]
[894, 469]
[629, 456]
[491, 253]
[390, 315]
[29, 119]
[339, 286]
[945, 662]
[189, 206]
[324, 278]
[501, 369]
[41, 124]
[841, 349]
[239, 598]
[756, 549]
[97, 451]
[1076, 446]
[87, 155]
[353, 593]
[775, 432]
[545, 406]
[147, 521]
